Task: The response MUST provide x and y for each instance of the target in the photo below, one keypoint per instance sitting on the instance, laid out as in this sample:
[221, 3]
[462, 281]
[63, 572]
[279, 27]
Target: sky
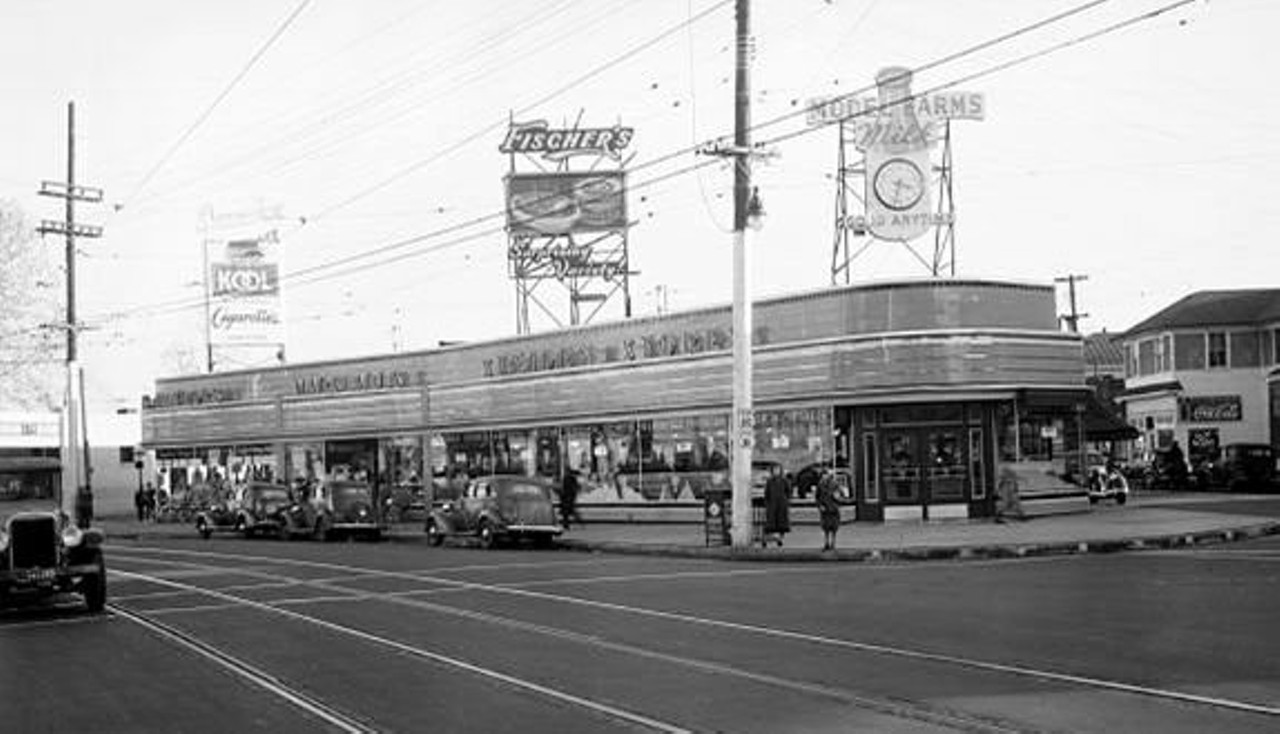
[1135, 151]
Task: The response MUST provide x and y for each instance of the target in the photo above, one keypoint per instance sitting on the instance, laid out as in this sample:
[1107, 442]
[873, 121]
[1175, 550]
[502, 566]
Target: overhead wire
[318, 269]
[208, 112]
[365, 104]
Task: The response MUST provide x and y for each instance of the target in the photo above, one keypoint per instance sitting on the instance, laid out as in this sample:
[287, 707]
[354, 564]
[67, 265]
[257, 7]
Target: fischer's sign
[539, 138]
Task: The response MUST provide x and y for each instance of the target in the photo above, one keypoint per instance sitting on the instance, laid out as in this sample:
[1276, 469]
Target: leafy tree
[30, 342]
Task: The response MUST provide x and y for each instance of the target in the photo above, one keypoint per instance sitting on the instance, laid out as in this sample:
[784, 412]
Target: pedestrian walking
[828, 508]
[777, 506]
[149, 502]
[1008, 496]
[84, 506]
[569, 499]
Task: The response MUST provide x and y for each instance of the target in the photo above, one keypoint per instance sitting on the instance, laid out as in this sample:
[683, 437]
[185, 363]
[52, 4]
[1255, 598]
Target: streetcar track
[909, 710]
[511, 680]
[821, 640]
[248, 673]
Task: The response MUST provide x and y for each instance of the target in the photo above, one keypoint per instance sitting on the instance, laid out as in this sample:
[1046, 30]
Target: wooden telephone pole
[75, 453]
[1072, 319]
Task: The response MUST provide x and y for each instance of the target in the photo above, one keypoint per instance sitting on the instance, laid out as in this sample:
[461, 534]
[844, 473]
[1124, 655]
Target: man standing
[777, 506]
[569, 499]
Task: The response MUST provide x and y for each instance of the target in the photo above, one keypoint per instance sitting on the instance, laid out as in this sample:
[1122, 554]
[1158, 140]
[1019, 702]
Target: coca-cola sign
[1210, 409]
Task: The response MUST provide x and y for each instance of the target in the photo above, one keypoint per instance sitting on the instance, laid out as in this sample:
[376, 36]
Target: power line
[182, 139]
[318, 269]
[590, 74]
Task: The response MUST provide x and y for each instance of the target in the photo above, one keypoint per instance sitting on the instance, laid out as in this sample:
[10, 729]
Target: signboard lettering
[1210, 409]
[539, 138]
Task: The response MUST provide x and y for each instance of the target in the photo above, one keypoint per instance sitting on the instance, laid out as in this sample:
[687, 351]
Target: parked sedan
[260, 510]
[338, 507]
[497, 508]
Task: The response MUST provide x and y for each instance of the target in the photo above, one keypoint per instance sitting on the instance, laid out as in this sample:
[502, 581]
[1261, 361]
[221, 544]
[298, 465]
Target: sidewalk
[1102, 529]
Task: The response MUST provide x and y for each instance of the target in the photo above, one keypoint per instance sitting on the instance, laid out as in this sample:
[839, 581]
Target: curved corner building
[919, 393]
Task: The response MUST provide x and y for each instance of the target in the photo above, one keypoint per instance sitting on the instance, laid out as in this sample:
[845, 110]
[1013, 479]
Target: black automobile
[497, 508]
[1247, 467]
[337, 508]
[259, 511]
[43, 553]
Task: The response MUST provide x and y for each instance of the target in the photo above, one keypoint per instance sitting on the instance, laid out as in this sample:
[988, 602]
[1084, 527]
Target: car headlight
[4, 541]
[71, 536]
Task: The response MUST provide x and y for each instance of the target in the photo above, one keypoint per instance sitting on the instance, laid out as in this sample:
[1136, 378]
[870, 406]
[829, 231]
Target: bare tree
[30, 337]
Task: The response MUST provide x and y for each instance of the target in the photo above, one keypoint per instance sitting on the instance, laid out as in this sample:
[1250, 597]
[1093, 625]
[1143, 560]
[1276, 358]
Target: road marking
[822, 640]
[910, 710]
[248, 672]
[601, 708]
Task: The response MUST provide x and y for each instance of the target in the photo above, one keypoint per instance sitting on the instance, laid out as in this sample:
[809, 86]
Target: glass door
[900, 467]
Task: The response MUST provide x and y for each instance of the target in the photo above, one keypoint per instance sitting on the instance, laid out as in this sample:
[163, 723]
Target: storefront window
[467, 453]
[400, 461]
[354, 460]
[305, 463]
[1041, 446]
[548, 454]
[512, 452]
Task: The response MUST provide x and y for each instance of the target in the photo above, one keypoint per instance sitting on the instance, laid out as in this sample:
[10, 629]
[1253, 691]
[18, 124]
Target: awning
[1101, 423]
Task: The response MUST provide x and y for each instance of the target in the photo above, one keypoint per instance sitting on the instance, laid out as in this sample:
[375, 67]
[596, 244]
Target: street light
[755, 210]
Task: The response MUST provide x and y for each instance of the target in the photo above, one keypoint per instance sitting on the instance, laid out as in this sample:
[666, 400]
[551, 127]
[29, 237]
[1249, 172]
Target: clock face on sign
[899, 184]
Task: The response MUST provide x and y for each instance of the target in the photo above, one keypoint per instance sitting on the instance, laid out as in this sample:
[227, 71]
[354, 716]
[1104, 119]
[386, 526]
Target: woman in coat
[777, 506]
[828, 509]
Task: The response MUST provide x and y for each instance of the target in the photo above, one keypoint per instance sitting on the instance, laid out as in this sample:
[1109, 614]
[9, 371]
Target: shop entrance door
[923, 466]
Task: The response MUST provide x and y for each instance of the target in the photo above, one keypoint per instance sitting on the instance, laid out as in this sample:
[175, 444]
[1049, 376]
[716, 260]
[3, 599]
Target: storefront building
[918, 392]
[1204, 372]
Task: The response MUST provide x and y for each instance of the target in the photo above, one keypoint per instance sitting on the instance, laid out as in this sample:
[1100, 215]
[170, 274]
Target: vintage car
[336, 508]
[404, 503]
[260, 510]
[496, 508]
[1107, 482]
[43, 553]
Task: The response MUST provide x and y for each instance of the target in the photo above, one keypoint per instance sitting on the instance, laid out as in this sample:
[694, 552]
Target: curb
[1168, 541]
[936, 553]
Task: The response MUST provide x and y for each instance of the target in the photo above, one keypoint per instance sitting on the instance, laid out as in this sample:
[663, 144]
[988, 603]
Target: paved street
[298, 636]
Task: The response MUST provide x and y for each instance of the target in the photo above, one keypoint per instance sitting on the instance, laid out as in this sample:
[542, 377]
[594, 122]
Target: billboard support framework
[567, 227]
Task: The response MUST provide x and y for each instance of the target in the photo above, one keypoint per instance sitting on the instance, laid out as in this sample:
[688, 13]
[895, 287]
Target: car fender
[443, 521]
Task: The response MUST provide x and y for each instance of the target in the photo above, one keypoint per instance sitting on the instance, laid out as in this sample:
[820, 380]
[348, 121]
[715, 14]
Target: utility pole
[1073, 318]
[742, 432]
[747, 212]
[76, 465]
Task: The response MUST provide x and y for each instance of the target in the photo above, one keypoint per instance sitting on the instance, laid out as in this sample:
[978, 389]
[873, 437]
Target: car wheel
[242, 527]
[1093, 500]
[1121, 499]
[94, 587]
[435, 538]
[202, 526]
[487, 537]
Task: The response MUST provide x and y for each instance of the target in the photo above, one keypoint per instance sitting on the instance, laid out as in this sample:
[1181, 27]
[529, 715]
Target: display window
[400, 461]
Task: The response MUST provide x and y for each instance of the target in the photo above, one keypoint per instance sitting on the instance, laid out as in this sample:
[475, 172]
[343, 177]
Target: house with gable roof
[1205, 371]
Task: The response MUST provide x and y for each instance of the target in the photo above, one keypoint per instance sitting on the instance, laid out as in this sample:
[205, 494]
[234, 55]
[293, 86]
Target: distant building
[31, 457]
[1204, 371]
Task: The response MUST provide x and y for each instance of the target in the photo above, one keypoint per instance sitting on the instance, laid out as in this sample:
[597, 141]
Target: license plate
[36, 575]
